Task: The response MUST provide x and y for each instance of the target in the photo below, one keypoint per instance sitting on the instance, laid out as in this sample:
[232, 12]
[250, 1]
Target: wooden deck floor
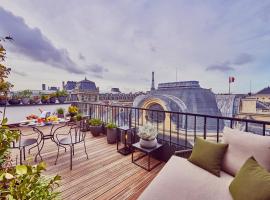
[105, 175]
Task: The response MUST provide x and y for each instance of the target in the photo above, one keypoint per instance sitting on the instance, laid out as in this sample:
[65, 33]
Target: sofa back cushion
[243, 145]
[208, 155]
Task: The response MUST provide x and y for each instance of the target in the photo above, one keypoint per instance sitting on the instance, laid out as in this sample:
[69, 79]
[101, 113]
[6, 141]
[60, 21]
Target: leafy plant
[27, 182]
[25, 93]
[95, 122]
[111, 126]
[147, 132]
[22, 182]
[6, 138]
[45, 97]
[60, 111]
[61, 93]
[79, 117]
[15, 96]
[52, 95]
[73, 109]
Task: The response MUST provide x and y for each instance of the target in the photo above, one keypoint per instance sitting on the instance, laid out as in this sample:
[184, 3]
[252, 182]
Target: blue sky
[118, 43]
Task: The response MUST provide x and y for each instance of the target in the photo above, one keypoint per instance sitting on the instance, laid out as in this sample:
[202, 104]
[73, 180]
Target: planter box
[52, 99]
[3, 102]
[62, 99]
[96, 130]
[14, 101]
[45, 101]
[25, 100]
[112, 135]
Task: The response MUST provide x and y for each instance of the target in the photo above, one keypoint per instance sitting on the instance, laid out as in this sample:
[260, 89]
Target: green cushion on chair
[208, 155]
[252, 182]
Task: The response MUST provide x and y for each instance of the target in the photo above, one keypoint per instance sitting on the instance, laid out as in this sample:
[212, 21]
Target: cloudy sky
[118, 43]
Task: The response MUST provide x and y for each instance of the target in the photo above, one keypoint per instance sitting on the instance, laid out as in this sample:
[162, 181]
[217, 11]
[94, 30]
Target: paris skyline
[119, 44]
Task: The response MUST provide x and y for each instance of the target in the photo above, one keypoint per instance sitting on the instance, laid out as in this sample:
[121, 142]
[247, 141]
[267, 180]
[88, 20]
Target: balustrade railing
[175, 128]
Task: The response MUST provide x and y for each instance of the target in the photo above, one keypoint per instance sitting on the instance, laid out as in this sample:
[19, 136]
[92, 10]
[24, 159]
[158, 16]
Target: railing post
[217, 130]
[195, 127]
[204, 128]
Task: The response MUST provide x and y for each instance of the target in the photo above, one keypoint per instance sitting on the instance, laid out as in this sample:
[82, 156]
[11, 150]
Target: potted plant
[52, 98]
[35, 100]
[25, 96]
[3, 100]
[14, 100]
[61, 95]
[60, 112]
[148, 134]
[95, 127]
[111, 133]
[73, 111]
[44, 98]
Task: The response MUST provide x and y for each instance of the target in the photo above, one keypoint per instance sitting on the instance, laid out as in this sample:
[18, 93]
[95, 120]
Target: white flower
[147, 132]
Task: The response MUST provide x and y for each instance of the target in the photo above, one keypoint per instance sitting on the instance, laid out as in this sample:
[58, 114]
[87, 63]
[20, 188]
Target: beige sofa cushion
[180, 179]
[243, 145]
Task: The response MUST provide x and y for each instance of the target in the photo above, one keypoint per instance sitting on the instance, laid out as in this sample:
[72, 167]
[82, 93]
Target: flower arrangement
[147, 132]
[72, 109]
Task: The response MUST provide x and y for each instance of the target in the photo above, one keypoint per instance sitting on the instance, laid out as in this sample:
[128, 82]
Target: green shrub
[61, 93]
[25, 94]
[27, 182]
[111, 126]
[95, 122]
[79, 117]
[60, 111]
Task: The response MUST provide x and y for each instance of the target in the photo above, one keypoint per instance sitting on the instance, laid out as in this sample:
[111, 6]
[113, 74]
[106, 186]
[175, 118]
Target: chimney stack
[153, 81]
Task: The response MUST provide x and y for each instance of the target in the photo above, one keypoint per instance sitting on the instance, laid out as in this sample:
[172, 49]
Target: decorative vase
[148, 144]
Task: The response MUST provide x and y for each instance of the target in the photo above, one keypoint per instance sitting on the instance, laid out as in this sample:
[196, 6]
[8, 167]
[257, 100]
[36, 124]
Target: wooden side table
[147, 152]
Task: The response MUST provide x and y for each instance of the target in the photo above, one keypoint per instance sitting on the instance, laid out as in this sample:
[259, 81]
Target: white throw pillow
[243, 145]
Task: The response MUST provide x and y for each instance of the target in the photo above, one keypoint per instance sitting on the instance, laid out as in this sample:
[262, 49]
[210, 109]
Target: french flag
[231, 79]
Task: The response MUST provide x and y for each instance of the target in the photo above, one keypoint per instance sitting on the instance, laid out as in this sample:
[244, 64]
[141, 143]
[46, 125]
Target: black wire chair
[25, 141]
[74, 136]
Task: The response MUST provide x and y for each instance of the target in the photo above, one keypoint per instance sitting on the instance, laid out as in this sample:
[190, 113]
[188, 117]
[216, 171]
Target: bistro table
[45, 135]
[147, 152]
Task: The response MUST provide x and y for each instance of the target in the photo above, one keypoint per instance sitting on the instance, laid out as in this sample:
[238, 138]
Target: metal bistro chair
[25, 141]
[74, 136]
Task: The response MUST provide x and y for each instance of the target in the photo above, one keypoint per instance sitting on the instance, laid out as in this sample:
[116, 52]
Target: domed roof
[265, 91]
[86, 85]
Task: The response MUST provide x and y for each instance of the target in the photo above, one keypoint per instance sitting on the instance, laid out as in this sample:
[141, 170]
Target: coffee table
[147, 152]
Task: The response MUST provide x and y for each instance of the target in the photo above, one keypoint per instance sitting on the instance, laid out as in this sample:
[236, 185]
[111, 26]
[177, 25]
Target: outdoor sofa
[182, 180]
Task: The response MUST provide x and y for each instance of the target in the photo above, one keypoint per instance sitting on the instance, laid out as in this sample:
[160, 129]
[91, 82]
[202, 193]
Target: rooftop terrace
[105, 175]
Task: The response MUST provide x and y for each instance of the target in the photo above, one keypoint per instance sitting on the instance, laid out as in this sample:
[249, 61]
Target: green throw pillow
[252, 182]
[208, 155]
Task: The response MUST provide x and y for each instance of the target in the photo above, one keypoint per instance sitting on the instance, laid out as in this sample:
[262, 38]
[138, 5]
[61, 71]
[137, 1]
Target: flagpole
[229, 87]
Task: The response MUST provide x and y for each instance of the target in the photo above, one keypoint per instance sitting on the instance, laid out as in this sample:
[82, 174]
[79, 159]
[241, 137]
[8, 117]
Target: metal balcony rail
[175, 128]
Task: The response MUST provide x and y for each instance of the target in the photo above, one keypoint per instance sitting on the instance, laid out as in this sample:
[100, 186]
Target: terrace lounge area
[107, 174]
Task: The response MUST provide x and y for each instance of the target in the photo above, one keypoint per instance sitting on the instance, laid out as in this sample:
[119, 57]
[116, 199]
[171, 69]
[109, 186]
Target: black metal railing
[177, 129]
